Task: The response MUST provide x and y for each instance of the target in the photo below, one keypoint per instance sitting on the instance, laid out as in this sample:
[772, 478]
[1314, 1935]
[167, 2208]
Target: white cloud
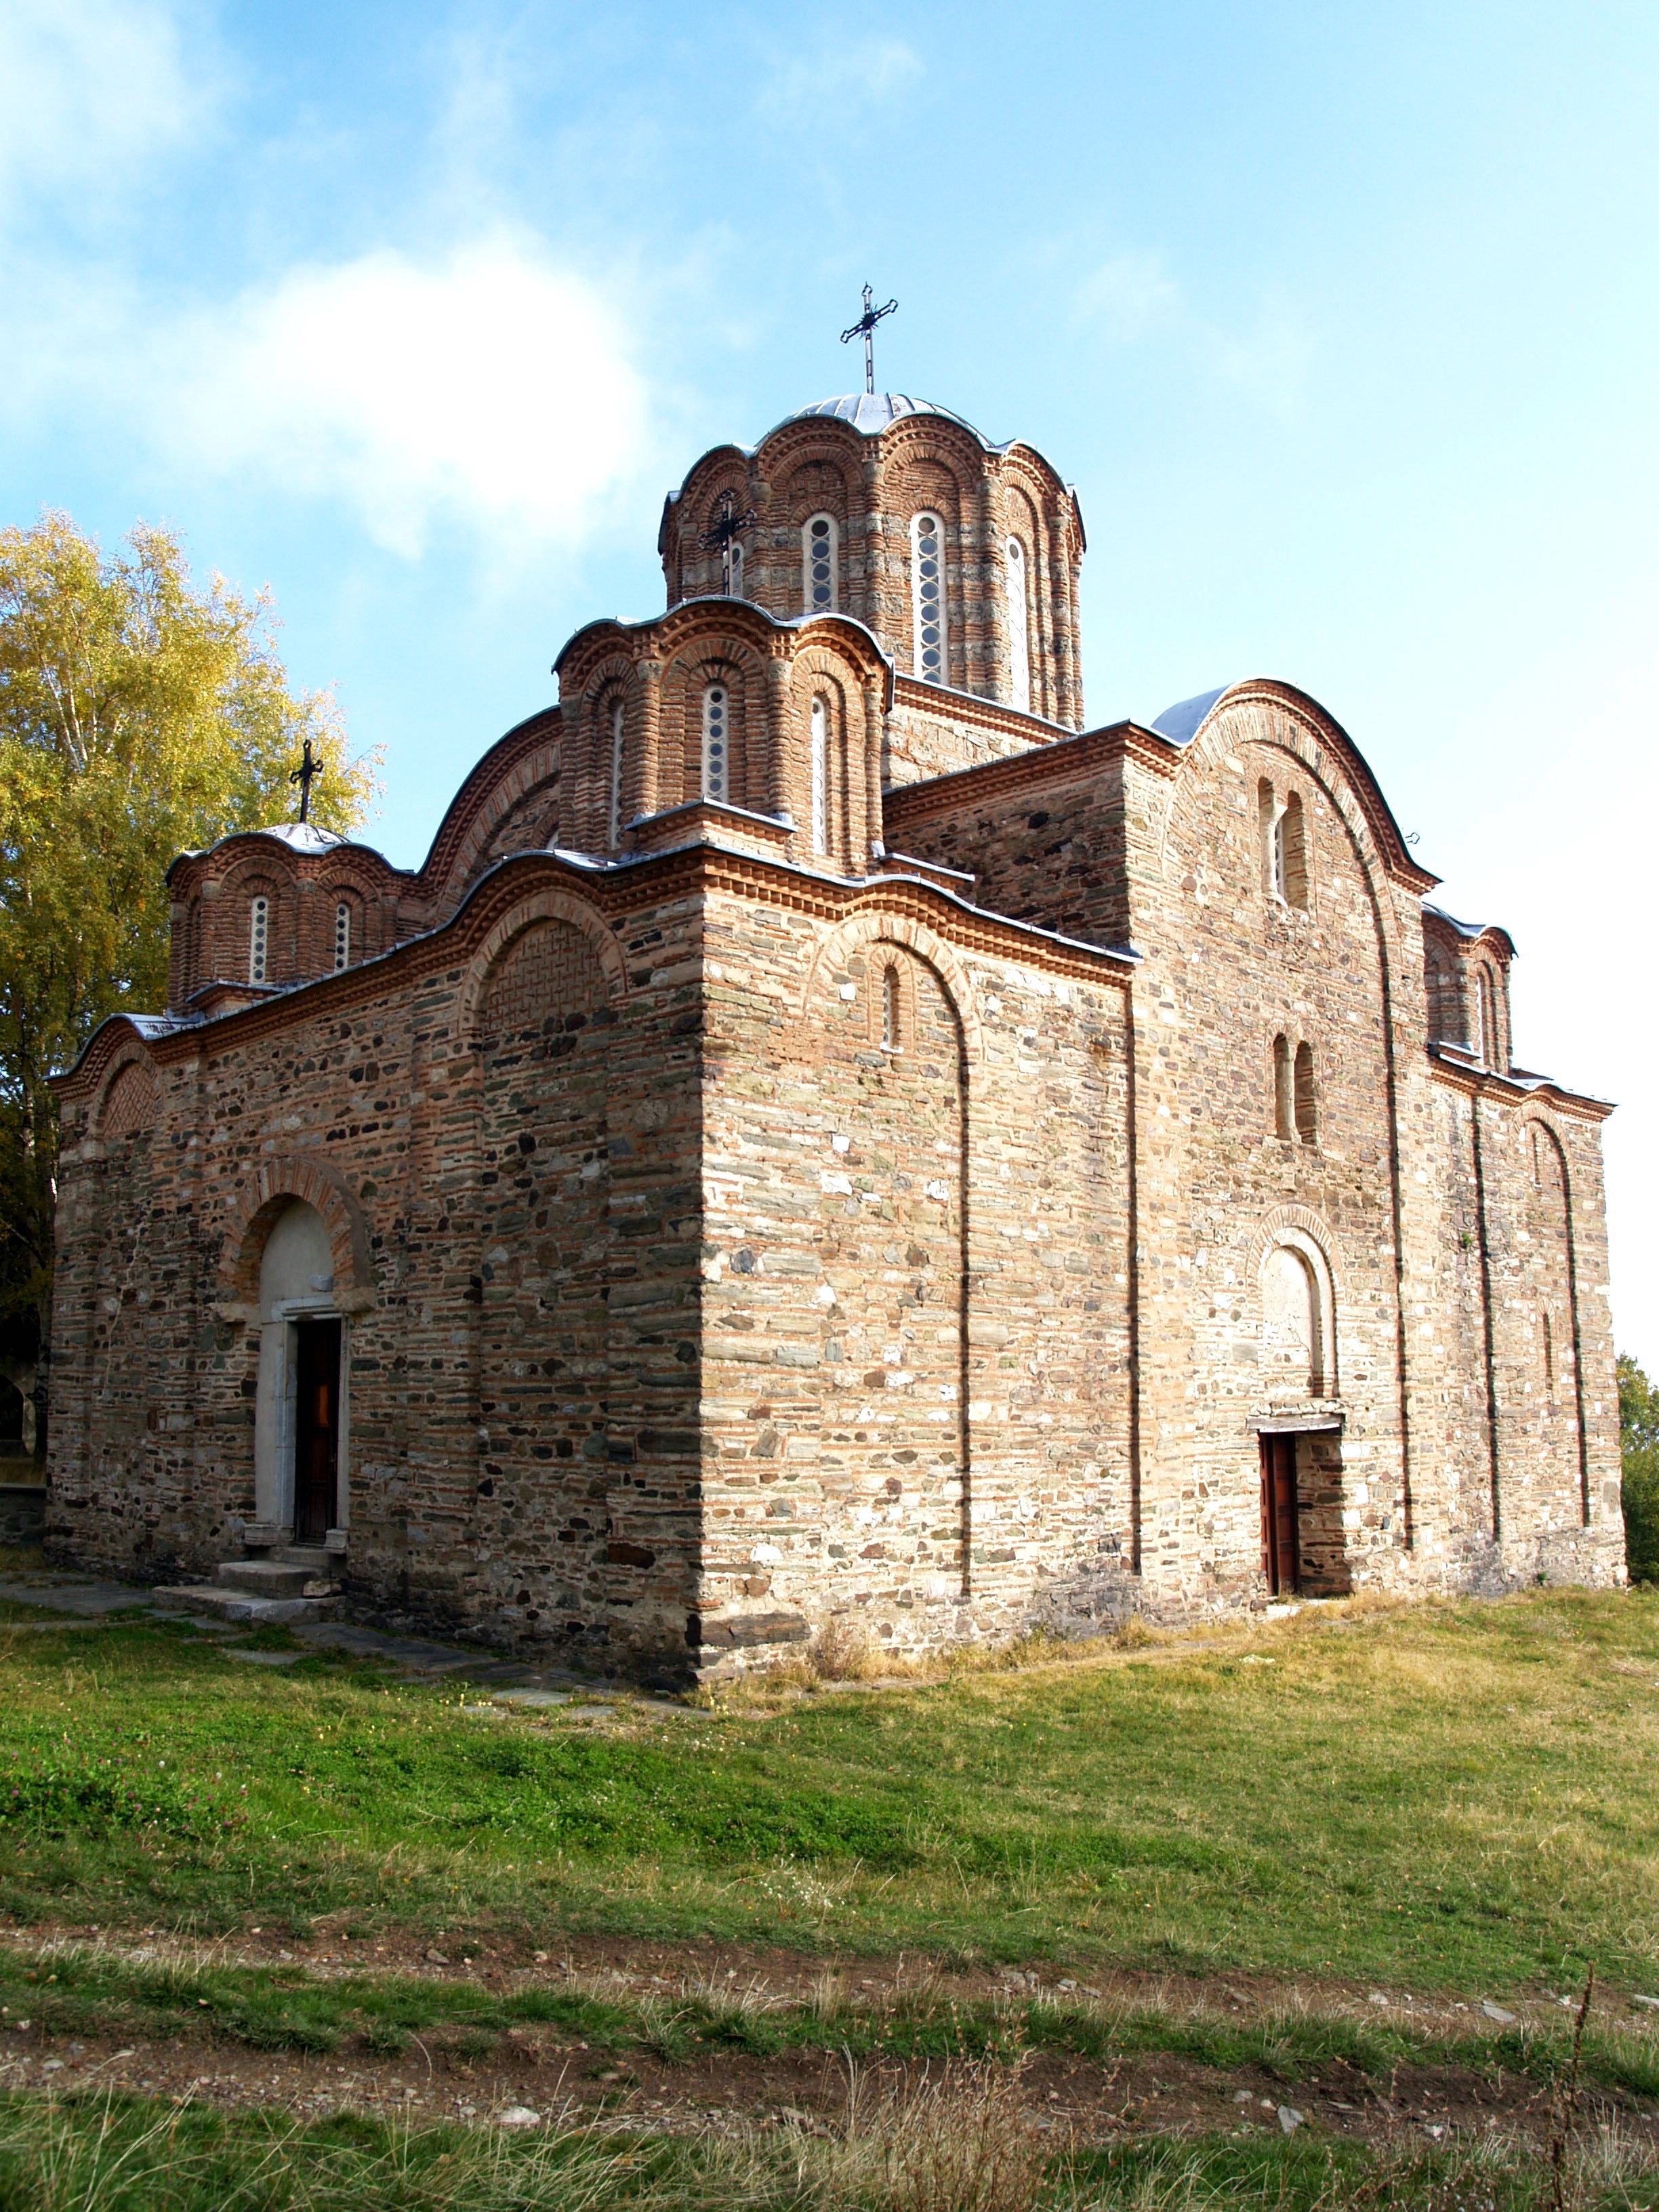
[491, 389]
[1129, 296]
[90, 90]
[829, 69]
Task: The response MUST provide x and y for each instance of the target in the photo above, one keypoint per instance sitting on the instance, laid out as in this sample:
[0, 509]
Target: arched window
[820, 565]
[1488, 1013]
[618, 731]
[820, 747]
[1284, 1098]
[734, 563]
[258, 939]
[1293, 888]
[342, 935]
[1019, 619]
[1434, 978]
[889, 1010]
[1273, 843]
[1307, 1123]
[716, 740]
[927, 597]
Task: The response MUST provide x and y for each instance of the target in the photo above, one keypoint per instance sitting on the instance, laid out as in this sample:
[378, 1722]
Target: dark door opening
[1281, 1554]
[316, 1429]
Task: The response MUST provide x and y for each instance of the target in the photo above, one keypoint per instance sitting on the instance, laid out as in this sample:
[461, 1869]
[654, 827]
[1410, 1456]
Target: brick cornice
[1505, 1090]
[614, 893]
[947, 706]
[1063, 759]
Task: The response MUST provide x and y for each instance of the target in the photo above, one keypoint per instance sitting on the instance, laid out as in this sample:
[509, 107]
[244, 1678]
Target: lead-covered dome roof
[872, 412]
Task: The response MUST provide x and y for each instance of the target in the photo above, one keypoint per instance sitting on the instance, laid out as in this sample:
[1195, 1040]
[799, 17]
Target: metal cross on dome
[866, 328]
[305, 775]
[723, 532]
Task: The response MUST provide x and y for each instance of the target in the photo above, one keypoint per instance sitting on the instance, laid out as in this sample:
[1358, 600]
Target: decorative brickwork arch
[541, 906]
[131, 1101]
[863, 930]
[270, 1192]
[1298, 1230]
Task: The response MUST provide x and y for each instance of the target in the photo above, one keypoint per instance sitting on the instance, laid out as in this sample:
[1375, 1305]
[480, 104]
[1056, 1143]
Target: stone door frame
[276, 1426]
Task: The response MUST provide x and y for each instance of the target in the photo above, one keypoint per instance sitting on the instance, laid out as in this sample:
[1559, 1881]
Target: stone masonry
[814, 1144]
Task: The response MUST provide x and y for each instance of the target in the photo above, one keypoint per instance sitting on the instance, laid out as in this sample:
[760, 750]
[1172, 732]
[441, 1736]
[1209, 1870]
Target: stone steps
[288, 1582]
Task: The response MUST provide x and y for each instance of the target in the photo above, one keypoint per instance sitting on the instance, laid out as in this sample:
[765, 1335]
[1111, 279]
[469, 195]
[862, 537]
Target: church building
[830, 1139]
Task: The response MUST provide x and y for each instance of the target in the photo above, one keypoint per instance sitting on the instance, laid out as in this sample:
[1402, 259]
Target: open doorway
[316, 1428]
[1281, 1545]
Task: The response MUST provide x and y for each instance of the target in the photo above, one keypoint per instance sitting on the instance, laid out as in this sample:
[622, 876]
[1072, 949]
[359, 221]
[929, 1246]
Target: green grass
[127, 2155]
[1455, 1797]
[86, 1990]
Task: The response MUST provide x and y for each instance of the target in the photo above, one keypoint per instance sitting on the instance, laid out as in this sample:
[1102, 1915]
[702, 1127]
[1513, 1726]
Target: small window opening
[1293, 853]
[1537, 1159]
[716, 741]
[1273, 843]
[1283, 1100]
[342, 935]
[1019, 643]
[258, 939]
[1549, 1356]
[889, 1010]
[927, 597]
[820, 565]
[618, 731]
[1307, 1125]
[820, 745]
[1488, 1019]
[734, 569]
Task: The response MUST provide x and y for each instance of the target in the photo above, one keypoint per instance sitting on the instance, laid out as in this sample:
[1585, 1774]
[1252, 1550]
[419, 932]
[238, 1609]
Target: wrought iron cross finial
[866, 328]
[305, 775]
[723, 532]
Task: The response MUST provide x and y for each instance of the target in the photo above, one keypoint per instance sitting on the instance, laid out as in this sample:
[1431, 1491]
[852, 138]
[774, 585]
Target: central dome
[872, 412]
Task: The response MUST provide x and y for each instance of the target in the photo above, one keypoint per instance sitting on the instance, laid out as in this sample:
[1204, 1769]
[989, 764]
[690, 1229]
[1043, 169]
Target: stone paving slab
[77, 1594]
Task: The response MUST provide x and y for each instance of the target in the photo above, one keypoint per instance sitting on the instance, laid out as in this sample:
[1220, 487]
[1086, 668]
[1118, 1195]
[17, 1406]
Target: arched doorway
[300, 1426]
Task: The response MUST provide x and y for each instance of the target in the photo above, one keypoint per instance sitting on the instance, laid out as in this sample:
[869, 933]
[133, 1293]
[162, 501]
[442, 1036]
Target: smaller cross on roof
[305, 775]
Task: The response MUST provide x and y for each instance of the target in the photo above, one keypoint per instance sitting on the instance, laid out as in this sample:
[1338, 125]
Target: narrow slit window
[1283, 1096]
[735, 560]
[1270, 815]
[1549, 1356]
[820, 750]
[258, 939]
[927, 597]
[1293, 853]
[1019, 624]
[889, 1010]
[716, 741]
[1488, 1019]
[820, 559]
[342, 935]
[618, 733]
[1307, 1110]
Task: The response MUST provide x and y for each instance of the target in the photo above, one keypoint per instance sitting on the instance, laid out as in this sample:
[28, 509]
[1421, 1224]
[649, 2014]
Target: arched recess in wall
[848, 938]
[1265, 714]
[130, 1102]
[700, 668]
[542, 1507]
[890, 1240]
[1298, 1317]
[1545, 1155]
[547, 906]
[263, 1199]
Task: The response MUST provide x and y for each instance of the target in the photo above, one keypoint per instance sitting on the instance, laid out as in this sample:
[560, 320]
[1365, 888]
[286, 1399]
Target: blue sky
[1342, 318]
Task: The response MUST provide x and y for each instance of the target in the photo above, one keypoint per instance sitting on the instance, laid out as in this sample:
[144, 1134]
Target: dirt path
[455, 2073]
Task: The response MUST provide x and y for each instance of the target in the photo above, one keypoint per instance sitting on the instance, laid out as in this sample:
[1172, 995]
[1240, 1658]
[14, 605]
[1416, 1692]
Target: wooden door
[316, 1429]
[1281, 1560]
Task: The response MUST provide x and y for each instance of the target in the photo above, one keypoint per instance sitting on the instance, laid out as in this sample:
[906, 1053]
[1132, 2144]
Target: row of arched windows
[258, 937]
[820, 593]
